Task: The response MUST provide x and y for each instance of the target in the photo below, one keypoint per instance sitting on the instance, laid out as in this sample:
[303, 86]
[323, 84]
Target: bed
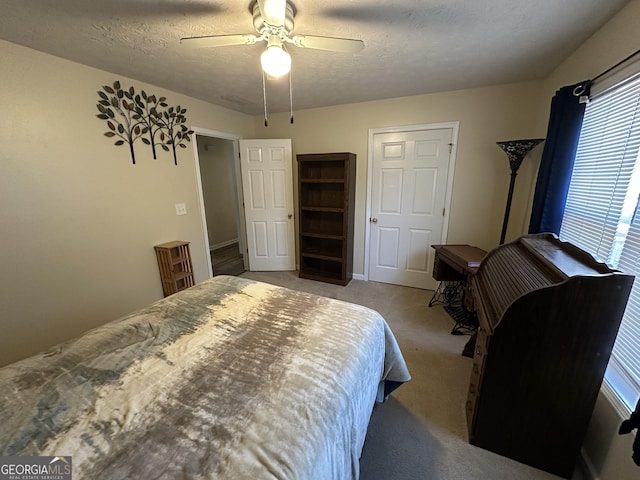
[229, 379]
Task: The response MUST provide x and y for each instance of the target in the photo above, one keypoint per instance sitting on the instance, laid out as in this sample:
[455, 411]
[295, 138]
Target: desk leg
[451, 294]
[448, 293]
[466, 321]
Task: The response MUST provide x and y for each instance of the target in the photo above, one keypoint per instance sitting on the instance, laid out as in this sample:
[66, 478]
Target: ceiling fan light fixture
[275, 60]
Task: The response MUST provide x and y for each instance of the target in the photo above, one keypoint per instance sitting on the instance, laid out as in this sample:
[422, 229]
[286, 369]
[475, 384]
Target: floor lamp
[516, 150]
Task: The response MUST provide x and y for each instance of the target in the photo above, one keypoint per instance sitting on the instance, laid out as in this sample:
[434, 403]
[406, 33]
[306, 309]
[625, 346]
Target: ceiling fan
[274, 22]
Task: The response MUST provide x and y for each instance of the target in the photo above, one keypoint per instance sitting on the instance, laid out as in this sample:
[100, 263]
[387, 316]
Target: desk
[456, 261]
[451, 267]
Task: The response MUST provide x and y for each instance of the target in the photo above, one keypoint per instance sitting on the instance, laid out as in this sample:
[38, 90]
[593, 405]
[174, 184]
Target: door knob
[290, 216]
[373, 220]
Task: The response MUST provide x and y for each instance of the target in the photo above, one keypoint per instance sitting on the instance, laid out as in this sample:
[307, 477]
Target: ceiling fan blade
[273, 11]
[219, 40]
[346, 45]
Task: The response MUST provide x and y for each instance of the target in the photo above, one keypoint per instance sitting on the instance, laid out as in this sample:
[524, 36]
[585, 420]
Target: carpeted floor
[420, 433]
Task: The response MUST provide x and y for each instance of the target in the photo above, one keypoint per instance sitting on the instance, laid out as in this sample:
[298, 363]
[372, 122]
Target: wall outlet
[181, 209]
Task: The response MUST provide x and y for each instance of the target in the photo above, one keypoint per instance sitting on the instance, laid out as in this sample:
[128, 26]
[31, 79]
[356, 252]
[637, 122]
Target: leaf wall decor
[130, 116]
[173, 122]
[147, 112]
[119, 113]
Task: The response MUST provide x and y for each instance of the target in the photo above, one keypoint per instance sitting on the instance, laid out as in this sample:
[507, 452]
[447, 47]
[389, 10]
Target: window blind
[624, 369]
[601, 213]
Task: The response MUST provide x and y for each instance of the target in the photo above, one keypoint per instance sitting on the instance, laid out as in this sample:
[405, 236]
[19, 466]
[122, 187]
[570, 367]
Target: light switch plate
[181, 209]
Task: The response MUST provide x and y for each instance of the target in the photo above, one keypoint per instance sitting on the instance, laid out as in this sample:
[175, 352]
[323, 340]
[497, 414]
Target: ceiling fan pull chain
[264, 96]
[291, 96]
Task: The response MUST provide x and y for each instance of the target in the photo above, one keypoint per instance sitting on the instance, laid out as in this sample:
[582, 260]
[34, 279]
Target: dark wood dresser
[549, 315]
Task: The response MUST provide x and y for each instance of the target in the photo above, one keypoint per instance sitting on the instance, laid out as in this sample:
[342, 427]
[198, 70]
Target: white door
[409, 186]
[267, 184]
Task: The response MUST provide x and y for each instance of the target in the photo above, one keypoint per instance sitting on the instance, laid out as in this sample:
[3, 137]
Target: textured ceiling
[411, 46]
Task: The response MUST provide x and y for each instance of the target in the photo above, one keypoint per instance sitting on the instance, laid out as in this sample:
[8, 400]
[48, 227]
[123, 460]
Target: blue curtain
[556, 165]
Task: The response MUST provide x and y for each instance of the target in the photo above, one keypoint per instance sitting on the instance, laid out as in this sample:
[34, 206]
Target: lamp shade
[275, 61]
[516, 150]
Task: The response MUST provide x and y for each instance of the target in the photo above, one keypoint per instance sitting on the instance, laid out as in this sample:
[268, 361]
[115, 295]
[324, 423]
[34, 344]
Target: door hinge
[443, 212]
[450, 148]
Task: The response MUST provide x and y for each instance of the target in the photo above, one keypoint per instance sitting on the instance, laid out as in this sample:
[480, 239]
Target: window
[602, 213]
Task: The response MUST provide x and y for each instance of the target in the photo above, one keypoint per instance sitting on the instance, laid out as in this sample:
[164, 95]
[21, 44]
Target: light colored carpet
[420, 433]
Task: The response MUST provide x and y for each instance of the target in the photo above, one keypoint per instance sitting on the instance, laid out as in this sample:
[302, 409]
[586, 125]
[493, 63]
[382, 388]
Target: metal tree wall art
[147, 111]
[173, 121]
[131, 116]
[124, 125]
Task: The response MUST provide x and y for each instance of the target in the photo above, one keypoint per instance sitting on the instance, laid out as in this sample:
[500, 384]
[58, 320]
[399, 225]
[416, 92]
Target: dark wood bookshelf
[326, 193]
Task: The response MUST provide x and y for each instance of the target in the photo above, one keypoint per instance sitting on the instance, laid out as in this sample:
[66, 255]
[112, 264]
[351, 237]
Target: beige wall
[79, 221]
[481, 181]
[609, 453]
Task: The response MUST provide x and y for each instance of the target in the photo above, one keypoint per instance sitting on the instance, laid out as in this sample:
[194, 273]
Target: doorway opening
[221, 196]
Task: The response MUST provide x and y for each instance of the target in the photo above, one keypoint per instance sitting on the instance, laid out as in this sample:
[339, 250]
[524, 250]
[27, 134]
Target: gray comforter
[230, 379]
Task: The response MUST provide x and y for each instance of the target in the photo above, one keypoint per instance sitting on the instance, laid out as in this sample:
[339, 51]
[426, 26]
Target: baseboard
[222, 244]
[357, 276]
[586, 467]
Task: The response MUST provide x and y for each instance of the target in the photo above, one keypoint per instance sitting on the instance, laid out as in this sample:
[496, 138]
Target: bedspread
[229, 379]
